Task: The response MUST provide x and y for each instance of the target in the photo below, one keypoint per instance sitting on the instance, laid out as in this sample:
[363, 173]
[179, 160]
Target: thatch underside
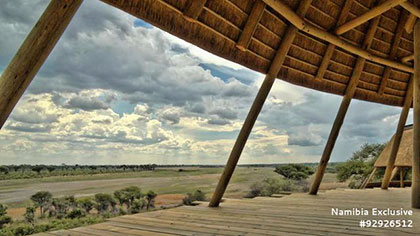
[405, 152]
[220, 23]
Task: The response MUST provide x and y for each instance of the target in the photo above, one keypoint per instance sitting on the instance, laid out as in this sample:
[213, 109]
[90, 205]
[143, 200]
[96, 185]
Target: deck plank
[292, 215]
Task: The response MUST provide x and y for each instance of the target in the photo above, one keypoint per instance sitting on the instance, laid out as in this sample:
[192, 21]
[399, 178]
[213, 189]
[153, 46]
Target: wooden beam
[394, 172]
[398, 136]
[407, 58]
[367, 180]
[251, 25]
[302, 25]
[372, 13]
[409, 25]
[394, 49]
[345, 103]
[411, 8]
[402, 177]
[33, 52]
[331, 47]
[256, 107]
[193, 9]
[415, 182]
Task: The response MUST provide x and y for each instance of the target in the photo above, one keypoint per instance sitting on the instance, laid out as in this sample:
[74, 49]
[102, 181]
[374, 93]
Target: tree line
[73, 212]
[37, 171]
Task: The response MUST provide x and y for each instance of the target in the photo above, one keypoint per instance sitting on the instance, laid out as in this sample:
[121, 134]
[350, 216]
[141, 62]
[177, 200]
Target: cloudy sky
[117, 90]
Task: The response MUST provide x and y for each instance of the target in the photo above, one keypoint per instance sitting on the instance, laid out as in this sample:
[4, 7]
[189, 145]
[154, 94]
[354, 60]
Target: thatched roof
[405, 152]
[225, 28]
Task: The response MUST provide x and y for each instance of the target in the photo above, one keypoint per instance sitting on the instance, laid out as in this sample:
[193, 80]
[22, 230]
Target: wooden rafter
[345, 103]
[408, 58]
[394, 49]
[306, 27]
[372, 13]
[256, 107]
[331, 47]
[251, 25]
[193, 9]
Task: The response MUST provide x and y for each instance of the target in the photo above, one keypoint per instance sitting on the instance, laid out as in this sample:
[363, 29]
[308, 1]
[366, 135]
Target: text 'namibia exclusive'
[371, 212]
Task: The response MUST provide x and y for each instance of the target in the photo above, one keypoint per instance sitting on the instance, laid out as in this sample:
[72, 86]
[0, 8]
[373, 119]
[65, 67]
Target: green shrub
[30, 214]
[86, 204]
[75, 213]
[104, 202]
[4, 218]
[197, 195]
[138, 205]
[294, 171]
[42, 200]
[269, 186]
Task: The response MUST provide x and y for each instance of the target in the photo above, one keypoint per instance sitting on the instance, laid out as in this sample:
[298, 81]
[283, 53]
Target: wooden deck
[297, 214]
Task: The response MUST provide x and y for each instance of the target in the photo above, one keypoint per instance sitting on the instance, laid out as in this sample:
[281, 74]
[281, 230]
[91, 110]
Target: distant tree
[150, 198]
[30, 214]
[86, 204]
[294, 171]
[75, 213]
[128, 195]
[42, 200]
[4, 218]
[104, 202]
[138, 205]
[360, 165]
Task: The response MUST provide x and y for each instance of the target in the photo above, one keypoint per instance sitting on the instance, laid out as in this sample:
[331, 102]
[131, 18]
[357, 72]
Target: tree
[42, 200]
[4, 218]
[360, 165]
[30, 214]
[128, 195]
[294, 171]
[86, 204]
[150, 198]
[103, 202]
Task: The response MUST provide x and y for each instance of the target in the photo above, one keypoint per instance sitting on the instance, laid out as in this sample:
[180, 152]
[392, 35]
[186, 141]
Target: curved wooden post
[34, 51]
[398, 136]
[256, 107]
[415, 183]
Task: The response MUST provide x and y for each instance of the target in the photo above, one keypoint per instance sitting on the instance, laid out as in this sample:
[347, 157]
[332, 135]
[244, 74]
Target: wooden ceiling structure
[362, 49]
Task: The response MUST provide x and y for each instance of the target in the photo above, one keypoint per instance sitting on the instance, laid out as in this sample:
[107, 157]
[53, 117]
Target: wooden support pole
[33, 52]
[330, 49]
[367, 180]
[407, 58]
[409, 25]
[345, 103]
[394, 172]
[256, 107]
[372, 13]
[193, 9]
[398, 135]
[251, 25]
[394, 49]
[302, 25]
[402, 177]
[415, 182]
[414, 10]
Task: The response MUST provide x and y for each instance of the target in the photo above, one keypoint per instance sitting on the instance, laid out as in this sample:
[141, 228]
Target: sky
[117, 90]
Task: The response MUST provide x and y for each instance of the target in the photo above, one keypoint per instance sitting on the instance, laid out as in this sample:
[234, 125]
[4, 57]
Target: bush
[138, 205]
[30, 214]
[86, 204]
[104, 202]
[294, 171]
[75, 213]
[189, 199]
[269, 187]
[4, 218]
[42, 200]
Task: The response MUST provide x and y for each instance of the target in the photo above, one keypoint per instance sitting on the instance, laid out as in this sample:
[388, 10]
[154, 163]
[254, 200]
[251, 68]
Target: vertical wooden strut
[402, 177]
[398, 135]
[415, 183]
[33, 52]
[345, 103]
[277, 63]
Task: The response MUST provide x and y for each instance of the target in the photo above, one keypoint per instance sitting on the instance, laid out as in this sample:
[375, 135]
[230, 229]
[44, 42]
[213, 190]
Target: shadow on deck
[297, 214]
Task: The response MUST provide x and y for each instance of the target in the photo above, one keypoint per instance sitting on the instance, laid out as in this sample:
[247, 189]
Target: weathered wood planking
[296, 214]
